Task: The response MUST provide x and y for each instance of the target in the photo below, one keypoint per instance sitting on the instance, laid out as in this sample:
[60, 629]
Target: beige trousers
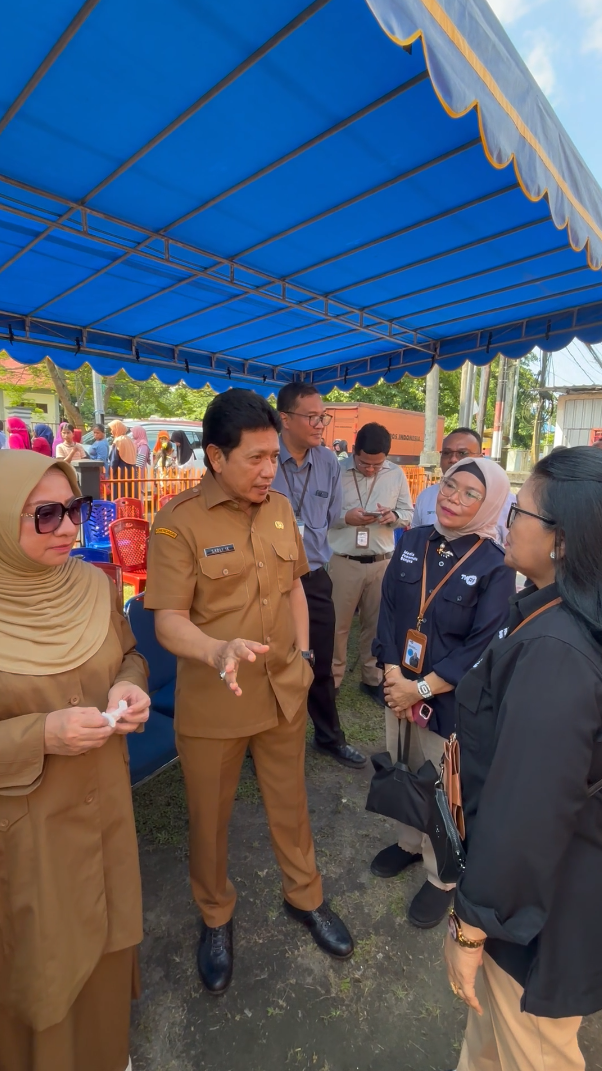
[505, 1039]
[424, 745]
[354, 584]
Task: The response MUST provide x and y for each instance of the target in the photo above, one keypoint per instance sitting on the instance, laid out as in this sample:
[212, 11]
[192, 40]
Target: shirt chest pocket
[224, 582]
[286, 556]
[458, 607]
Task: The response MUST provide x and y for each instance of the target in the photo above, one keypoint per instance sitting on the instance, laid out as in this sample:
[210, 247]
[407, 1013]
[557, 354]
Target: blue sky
[561, 43]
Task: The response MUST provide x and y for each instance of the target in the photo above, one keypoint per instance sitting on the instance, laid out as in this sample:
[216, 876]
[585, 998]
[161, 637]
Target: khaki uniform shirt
[69, 876]
[234, 572]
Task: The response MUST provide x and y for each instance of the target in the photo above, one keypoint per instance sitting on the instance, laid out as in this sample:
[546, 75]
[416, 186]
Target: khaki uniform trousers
[506, 1039]
[211, 774]
[353, 585]
[424, 745]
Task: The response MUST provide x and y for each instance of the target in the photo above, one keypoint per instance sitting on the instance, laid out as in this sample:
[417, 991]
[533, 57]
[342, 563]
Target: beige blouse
[69, 875]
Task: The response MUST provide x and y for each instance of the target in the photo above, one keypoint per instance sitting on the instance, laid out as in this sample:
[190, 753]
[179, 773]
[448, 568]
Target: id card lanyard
[297, 509]
[415, 643]
[536, 613]
[362, 535]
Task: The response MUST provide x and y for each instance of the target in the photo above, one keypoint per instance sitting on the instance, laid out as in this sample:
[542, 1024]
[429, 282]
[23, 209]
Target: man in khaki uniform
[225, 561]
[376, 500]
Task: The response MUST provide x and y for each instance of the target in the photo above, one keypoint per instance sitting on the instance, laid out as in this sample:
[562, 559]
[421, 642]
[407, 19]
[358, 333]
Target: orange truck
[406, 428]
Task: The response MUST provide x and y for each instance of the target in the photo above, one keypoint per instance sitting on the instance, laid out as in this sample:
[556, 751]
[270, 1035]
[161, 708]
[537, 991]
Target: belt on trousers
[367, 559]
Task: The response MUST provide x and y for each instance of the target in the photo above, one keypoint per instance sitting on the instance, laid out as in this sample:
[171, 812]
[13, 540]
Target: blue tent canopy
[254, 193]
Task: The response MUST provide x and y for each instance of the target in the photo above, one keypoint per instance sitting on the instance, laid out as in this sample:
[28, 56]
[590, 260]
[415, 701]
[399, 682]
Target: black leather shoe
[376, 692]
[327, 929]
[343, 753]
[429, 906]
[391, 861]
[215, 957]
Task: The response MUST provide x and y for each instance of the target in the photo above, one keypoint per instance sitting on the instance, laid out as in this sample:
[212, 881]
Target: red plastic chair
[129, 539]
[116, 575]
[129, 507]
[164, 500]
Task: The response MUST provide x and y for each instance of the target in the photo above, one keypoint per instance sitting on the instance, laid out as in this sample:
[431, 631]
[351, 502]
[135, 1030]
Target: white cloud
[509, 11]
[539, 62]
[591, 10]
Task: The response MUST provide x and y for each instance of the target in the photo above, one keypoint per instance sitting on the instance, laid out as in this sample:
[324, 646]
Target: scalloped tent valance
[249, 194]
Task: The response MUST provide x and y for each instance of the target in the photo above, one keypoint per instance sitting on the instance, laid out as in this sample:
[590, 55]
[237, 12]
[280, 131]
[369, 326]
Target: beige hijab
[52, 619]
[126, 447]
[497, 488]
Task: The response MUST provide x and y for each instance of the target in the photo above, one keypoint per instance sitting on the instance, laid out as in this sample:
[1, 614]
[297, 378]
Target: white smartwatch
[423, 689]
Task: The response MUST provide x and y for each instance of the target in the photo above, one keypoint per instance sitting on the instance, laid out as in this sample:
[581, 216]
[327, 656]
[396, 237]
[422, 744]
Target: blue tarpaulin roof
[252, 193]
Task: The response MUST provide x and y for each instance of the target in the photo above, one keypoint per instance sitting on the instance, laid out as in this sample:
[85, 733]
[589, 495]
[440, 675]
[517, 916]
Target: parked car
[193, 430]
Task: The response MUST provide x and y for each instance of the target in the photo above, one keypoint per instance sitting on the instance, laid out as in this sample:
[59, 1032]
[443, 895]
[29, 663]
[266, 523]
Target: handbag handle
[404, 759]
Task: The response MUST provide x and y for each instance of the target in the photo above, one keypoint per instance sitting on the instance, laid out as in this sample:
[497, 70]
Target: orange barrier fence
[149, 489]
[152, 489]
[418, 479]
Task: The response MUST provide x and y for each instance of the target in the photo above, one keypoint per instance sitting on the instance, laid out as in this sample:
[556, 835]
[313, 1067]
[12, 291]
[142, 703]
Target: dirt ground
[290, 1007]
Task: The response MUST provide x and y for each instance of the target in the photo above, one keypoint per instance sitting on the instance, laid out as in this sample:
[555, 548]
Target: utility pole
[498, 419]
[536, 441]
[97, 392]
[513, 391]
[483, 396]
[466, 411]
[429, 458]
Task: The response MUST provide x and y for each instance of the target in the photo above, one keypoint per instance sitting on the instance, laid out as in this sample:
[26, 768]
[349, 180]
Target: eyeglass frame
[80, 501]
[323, 418]
[445, 482]
[515, 508]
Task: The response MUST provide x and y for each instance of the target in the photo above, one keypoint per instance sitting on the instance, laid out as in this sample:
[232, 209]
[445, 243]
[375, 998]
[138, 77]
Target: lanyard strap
[424, 602]
[536, 613]
[299, 506]
[357, 487]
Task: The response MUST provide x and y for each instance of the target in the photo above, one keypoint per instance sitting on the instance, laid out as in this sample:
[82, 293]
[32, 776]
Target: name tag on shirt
[226, 548]
[321, 494]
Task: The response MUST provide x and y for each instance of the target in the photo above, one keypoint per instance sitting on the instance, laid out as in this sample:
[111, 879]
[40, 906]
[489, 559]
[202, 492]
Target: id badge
[362, 537]
[301, 527]
[414, 650]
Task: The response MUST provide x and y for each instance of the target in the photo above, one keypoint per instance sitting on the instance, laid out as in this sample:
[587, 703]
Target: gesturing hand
[75, 730]
[138, 706]
[228, 656]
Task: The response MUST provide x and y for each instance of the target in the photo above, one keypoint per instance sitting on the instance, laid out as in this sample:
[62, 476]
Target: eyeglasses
[514, 509]
[48, 517]
[460, 454]
[314, 421]
[447, 488]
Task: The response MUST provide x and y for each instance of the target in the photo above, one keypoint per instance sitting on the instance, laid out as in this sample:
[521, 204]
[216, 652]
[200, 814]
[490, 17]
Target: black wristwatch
[309, 657]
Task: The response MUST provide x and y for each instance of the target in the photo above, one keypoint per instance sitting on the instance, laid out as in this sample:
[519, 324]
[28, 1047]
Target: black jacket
[462, 617]
[530, 728]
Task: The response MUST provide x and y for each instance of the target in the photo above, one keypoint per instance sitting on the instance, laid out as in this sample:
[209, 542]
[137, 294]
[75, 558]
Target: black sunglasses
[49, 517]
[514, 509]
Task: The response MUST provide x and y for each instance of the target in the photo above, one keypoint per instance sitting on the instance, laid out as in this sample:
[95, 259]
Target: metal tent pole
[483, 397]
[498, 420]
[429, 458]
[97, 391]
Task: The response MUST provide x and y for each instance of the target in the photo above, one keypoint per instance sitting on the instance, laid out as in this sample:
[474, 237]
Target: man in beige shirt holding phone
[376, 500]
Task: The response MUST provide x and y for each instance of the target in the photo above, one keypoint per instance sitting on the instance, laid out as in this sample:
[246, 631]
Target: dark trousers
[321, 703]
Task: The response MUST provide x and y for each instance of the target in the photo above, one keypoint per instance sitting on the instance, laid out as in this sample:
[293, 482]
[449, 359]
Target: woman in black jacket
[444, 596]
[524, 949]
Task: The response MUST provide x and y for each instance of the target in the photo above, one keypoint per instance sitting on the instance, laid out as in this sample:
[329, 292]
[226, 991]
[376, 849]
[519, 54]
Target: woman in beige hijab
[444, 597]
[70, 903]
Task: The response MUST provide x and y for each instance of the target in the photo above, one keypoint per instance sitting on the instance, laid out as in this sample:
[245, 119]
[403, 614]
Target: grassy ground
[291, 1008]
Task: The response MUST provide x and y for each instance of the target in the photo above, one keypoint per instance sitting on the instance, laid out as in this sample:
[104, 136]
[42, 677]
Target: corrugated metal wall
[577, 415]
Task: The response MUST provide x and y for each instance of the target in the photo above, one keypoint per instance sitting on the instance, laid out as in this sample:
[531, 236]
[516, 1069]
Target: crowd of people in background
[254, 576]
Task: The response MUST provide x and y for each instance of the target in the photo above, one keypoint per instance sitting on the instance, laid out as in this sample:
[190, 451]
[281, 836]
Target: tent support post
[429, 458]
[498, 420]
[483, 397]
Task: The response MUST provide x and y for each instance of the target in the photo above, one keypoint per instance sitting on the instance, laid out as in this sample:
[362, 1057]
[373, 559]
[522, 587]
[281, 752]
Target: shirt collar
[215, 495]
[285, 455]
[531, 598]
[460, 546]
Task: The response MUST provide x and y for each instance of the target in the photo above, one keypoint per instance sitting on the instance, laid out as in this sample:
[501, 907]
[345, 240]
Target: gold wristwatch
[455, 929]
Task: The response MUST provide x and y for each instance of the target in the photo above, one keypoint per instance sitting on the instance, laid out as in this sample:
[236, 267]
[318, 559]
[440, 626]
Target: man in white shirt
[376, 500]
[461, 443]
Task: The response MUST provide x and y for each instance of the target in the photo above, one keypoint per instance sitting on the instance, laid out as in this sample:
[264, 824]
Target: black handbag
[396, 792]
[445, 839]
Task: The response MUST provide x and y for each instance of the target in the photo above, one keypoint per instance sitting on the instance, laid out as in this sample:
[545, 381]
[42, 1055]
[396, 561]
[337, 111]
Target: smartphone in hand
[421, 713]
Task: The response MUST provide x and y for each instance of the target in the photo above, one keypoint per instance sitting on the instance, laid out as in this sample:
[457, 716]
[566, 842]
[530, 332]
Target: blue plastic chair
[155, 748]
[96, 528]
[88, 554]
